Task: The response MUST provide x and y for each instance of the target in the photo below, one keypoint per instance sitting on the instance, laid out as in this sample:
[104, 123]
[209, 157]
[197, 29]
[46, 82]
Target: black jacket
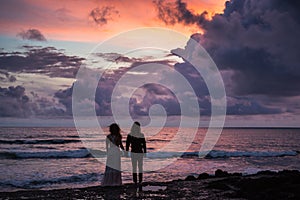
[138, 144]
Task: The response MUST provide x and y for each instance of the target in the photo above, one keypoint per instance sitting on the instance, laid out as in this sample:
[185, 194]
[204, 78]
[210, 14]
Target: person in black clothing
[136, 140]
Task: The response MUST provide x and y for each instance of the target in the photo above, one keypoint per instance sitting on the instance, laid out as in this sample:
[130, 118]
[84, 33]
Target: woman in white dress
[112, 175]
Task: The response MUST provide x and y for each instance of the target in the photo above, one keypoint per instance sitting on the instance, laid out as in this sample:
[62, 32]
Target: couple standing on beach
[135, 140]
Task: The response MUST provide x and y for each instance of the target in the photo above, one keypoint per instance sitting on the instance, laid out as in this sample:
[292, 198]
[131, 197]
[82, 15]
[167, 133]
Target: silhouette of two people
[136, 141]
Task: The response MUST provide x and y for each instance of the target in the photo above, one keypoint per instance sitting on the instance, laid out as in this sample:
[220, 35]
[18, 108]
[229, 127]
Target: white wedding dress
[112, 175]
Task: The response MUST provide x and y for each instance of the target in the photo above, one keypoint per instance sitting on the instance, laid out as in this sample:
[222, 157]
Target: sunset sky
[254, 44]
[73, 20]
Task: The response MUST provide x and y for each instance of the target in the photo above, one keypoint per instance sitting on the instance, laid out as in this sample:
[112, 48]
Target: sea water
[52, 158]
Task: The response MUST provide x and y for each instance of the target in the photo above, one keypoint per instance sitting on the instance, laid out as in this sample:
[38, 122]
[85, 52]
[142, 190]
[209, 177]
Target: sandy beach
[263, 185]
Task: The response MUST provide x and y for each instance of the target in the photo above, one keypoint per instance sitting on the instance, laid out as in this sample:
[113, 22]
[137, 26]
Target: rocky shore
[223, 185]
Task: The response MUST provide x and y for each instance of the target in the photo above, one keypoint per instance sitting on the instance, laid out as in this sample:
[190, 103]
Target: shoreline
[222, 185]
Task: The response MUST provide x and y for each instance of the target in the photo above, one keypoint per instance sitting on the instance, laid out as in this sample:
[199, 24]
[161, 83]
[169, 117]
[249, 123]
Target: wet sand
[263, 185]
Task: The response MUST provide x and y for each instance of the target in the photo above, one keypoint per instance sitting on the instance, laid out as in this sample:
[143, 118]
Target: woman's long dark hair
[115, 130]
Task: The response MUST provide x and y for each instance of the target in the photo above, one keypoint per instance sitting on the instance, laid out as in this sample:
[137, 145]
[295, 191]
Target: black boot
[140, 178]
[134, 175]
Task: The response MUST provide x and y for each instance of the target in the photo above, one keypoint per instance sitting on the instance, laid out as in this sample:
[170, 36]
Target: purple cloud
[150, 94]
[116, 57]
[237, 105]
[154, 94]
[7, 77]
[257, 40]
[14, 102]
[47, 60]
[177, 12]
[32, 34]
[101, 16]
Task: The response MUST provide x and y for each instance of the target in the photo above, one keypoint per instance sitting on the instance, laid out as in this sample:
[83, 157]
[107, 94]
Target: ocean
[53, 158]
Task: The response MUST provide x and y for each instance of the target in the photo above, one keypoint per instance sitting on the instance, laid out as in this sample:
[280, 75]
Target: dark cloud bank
[257, 40]
[47, 60]
[15, 103]
[153, 93]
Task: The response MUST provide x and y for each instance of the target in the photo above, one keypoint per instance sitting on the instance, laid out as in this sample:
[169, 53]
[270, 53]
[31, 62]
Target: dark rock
[203, 176]
[267, 172]
[236, 174]
[220, 173]
[290, 172]
[220, 185]
[190, 178]
[282, 185]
